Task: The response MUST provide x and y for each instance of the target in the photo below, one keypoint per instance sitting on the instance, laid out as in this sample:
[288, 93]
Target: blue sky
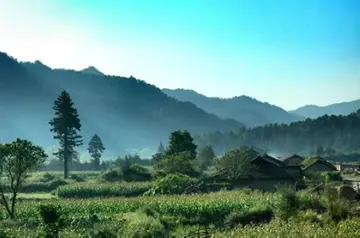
[285, 52]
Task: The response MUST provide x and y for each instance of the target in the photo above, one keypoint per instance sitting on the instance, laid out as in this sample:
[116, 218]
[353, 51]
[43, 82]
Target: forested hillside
[244, 109]
[339, 133]
[125, 112]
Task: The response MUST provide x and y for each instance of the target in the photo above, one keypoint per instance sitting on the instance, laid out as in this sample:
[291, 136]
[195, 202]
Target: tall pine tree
[66, 127]
[96, 148]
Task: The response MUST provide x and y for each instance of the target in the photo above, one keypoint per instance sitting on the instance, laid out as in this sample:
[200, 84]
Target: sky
[286, 52]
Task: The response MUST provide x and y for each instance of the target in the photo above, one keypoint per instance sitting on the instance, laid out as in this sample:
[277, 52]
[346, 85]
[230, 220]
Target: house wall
[318, 168]
[268, 185]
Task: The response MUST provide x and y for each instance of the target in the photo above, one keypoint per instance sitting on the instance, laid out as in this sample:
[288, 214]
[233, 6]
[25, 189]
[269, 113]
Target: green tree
[156, 158]
[96, 148]
[178, 163]
[161, 148]
[181, 141]
[17, 159]
[236, 164]
[66, 127]
[206, 157]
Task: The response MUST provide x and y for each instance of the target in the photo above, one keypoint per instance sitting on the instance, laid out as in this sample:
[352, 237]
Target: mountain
[244, 109]
[313, 111]
[126, 113]
[92, 70]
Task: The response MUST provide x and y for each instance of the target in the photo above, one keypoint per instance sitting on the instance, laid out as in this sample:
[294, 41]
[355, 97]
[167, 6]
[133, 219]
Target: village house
[316, 165]
[268, 173]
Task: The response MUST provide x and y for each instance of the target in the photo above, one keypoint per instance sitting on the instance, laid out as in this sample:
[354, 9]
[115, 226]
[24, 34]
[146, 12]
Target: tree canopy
[17, 159]
[236, 164]
[181, 141]
[96, 148]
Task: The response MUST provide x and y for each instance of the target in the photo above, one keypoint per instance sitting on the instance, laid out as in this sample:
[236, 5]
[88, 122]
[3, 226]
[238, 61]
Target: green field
[94, 207]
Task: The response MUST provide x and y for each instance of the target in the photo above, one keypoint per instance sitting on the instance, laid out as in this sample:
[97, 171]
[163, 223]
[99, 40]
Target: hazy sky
[286, 52]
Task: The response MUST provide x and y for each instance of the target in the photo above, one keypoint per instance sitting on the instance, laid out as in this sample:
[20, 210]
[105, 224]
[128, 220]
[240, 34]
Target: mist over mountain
[244, 109]
[126, 113]
[313, 111]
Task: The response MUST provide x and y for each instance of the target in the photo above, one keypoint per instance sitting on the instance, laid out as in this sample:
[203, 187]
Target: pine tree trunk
[66, 157]
[66, 170]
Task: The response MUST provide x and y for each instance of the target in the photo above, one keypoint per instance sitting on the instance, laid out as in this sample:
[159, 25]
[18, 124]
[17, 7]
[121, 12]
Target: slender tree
[161, 148]
[206, 157]
[96, 148]
[66, 127]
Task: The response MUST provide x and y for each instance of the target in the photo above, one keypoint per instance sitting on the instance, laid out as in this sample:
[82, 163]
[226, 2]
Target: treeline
[77, 165]
[339, 133]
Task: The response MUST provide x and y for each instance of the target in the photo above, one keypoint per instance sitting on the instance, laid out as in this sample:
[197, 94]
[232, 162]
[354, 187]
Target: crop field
[90, 207]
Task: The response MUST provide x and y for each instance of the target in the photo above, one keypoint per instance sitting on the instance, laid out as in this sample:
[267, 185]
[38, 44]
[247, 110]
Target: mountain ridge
[341, 108]
[248, 110]
[125, 112]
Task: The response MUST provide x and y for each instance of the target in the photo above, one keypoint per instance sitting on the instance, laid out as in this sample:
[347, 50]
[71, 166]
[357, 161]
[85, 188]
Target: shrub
[288, 203]
[139, 224]
[333, 176]
[47, 177]
[337, 209]
[43, 187]
[51, 221]
[112, 175]
[254, 216]
[311, 201]
[88, 190]
[136, 172]
[77, 178]
[172, 184]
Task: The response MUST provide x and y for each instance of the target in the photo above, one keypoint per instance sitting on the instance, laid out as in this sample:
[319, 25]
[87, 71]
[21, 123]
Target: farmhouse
[268, 173]
[317, 165]
[293, 160]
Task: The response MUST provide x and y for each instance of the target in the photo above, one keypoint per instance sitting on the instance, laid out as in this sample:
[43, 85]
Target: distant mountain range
[125, 112]
[313, 111]
[245, 109]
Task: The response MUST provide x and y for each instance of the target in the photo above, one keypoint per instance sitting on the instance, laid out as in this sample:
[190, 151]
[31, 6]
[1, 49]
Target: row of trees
[325, 135]
[181, 156]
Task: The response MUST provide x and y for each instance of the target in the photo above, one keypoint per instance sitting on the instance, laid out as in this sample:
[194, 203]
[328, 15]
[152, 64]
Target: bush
[139, 224]
[88, 190]
[136, 172]
[47, 177]
[112, 175]
[288, 203]
[337, 209]
[333, 176]
[43, 187]
[51, 221]
[255, 216]
[77, 178]
[172, 184]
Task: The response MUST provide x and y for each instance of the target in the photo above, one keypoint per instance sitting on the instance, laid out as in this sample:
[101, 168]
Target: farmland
[109, 211]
